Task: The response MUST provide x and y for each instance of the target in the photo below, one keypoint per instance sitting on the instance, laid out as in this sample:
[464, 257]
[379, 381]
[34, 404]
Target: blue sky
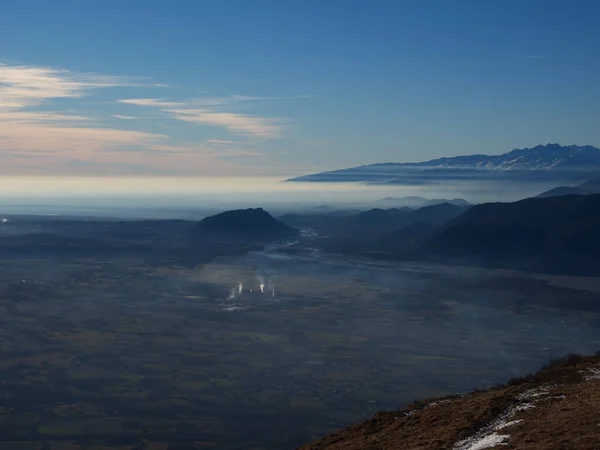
[287, 87]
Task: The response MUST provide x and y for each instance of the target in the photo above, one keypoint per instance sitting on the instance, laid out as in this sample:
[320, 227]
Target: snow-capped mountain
[542, 161]
[542, 157]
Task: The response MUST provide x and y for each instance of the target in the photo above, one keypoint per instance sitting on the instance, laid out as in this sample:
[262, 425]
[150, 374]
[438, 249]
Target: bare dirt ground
[556, 408]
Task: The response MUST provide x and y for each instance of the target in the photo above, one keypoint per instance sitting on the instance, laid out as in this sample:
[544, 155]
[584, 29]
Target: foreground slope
[557, 408]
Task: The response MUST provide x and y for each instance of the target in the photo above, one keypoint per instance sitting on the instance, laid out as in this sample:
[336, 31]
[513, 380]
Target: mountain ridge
[540, 234]
[542, 161]
[589, 187]
[556, 234]
[419, 202]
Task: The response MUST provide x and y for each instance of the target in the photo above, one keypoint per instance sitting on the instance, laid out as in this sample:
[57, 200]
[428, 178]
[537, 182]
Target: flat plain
[122, 354]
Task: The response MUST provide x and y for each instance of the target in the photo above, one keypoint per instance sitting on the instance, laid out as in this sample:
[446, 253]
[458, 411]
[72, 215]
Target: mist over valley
[219, 328]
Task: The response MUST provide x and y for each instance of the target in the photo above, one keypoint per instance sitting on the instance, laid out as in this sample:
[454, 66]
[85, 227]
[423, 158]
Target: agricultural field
[258, 350]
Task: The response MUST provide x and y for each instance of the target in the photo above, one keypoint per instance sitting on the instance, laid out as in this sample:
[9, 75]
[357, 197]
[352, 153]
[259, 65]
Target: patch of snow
[487, 437]
[509, 424]
[429, 405]
[488, 441]
[524, 407]
[532, 394]
[591, 374]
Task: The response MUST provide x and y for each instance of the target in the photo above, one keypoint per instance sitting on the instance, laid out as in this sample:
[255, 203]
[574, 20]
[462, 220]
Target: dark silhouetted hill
[377, 218]
[556, 233]
[383, 233]
[252, 224]
[407, 239]
[437, 214]
[393, 218]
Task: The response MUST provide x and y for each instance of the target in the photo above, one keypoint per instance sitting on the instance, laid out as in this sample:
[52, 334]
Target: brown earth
[556, 408]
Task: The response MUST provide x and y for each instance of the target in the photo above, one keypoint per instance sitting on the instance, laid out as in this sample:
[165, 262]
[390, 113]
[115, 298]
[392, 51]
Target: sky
[281, 88]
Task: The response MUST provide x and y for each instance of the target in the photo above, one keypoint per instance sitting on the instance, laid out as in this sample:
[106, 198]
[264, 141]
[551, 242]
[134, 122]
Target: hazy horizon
[177, 197]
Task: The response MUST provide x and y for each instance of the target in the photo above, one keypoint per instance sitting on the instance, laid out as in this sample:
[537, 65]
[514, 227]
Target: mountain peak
[251, 222]
[551, 161]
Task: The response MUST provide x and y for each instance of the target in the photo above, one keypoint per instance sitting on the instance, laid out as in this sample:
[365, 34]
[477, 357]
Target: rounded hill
[246, 223]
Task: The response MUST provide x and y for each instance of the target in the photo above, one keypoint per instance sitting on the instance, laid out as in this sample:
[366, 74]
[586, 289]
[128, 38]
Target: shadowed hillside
[556, 233]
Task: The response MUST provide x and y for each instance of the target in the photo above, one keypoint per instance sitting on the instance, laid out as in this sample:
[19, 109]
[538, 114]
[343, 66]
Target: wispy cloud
[233, 122]
[155, 102]
[39, 134]
[220, 142]
[61, 140]
[22, 86]
[216, 111]
[119, 116]
[35, 117]
[29, 126]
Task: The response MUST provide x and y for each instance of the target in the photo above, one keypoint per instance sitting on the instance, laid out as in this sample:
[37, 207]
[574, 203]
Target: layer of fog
[195, 198]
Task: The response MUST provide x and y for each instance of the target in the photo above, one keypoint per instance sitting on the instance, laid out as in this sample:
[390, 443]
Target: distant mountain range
[555, 234]
[419, 202]
[394, 218]
[543, 162]
[381, 233]
[361, 224]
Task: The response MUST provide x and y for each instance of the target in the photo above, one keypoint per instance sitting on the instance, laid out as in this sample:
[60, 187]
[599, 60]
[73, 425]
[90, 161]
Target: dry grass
[565, 416]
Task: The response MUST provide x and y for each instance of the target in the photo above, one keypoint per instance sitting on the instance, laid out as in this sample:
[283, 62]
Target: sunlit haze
[122, 195]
